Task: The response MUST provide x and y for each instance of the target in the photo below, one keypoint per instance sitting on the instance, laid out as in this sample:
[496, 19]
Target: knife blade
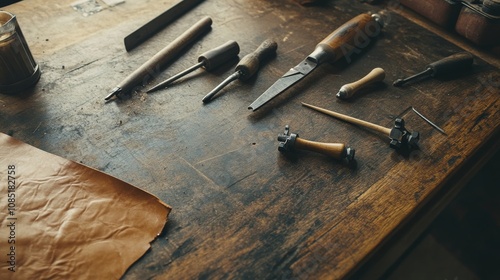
[331, 49]
[149, 29]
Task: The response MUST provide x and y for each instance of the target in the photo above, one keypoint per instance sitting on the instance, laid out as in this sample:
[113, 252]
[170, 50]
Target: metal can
[18, 69]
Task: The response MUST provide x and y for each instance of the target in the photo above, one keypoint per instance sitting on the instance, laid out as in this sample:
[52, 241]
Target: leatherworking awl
[208, 60]
[452, 65]
[247, 67]
[165, 55]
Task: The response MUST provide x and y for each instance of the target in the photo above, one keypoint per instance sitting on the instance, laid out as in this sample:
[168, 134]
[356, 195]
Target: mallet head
[401, 137]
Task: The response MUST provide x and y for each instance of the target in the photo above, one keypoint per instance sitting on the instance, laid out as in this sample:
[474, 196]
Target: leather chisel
[352, 34]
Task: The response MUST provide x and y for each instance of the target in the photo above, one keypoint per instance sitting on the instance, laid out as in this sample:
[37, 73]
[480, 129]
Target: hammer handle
[335, 150]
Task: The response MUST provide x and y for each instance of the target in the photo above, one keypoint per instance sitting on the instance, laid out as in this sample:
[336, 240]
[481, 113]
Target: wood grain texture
[335, 150]
[349, 36]
[240, 208]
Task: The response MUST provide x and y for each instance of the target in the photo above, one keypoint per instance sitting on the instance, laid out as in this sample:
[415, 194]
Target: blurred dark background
[7, 2]
[464, 241]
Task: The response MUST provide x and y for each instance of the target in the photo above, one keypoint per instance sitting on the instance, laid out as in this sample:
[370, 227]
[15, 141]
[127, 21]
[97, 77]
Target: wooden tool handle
[348, 90]
[217, 56]
[335, 150]
[170, 52]
[352, 34]
[375, 127]
[250, 63]
[451, 65]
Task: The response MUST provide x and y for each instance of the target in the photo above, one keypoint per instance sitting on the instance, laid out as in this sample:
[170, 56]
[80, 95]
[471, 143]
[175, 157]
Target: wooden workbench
[240, 208]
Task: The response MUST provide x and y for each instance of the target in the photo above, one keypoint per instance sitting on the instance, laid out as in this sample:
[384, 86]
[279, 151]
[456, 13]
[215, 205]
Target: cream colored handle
[381, 129]
[348, 90]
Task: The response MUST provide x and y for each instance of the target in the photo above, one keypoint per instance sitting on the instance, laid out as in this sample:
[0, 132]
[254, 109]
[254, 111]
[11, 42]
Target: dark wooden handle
[250, 63]
[335, 150]
[217, 56]
[452, 65]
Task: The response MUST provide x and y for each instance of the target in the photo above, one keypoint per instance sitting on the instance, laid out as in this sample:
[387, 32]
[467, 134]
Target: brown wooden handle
[167, 54]
[352, 34]
[250, 63]
[381, 129]
[349, 90]
[335, 150]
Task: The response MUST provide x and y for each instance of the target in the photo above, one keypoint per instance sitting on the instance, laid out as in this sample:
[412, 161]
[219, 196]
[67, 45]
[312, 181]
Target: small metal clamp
[401, 137]
[287, 140]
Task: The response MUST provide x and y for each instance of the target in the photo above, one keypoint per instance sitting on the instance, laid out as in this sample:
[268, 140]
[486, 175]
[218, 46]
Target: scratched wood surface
[241, 209]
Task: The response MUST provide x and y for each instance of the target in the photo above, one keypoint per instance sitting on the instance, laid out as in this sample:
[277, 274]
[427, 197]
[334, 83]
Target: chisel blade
[287, 80]
[330, 49]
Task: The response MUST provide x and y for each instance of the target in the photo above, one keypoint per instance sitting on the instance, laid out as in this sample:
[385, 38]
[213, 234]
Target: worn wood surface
[241, 209]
